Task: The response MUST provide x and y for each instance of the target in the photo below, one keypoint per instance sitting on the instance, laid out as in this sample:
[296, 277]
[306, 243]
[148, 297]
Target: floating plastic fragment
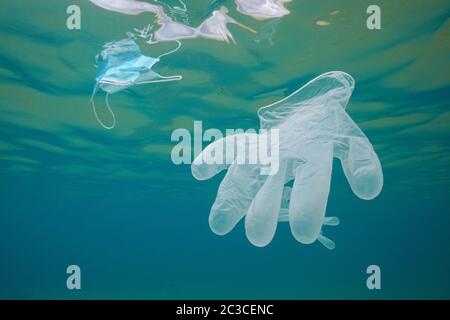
[268, 31]
[214, 27]
[262, 9]
[132, 7]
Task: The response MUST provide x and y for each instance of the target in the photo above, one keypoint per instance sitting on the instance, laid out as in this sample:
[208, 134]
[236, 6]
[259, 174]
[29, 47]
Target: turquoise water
[113, 203]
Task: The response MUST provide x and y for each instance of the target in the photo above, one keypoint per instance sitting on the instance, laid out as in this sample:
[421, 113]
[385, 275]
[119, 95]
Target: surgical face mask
[121, 65]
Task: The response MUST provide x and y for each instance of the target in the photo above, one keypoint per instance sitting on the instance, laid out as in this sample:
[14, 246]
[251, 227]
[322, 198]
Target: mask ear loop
[170, 52]
[163, 78]
[108, 107]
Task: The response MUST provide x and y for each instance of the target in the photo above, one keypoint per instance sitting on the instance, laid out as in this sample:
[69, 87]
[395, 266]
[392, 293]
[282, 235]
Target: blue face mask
[121, 65]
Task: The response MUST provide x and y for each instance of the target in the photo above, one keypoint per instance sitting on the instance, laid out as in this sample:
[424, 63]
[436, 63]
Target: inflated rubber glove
[313, 128]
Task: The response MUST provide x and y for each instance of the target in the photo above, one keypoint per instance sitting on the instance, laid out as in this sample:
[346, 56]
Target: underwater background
[113, 202]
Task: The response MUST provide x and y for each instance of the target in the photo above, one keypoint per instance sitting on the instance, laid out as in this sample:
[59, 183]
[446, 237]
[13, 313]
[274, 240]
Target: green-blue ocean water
[113, 202]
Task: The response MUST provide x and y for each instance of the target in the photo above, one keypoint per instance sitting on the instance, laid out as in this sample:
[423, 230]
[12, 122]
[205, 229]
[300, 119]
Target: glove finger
[362, 168]
[359, 161]
[218, 155]
[309, 195]
[262, 217]
[235, 194]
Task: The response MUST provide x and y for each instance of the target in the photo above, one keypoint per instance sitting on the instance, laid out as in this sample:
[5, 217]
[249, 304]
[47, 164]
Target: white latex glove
[313, 128]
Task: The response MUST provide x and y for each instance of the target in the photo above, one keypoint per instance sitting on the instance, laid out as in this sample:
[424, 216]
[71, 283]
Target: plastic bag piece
[313, 128]
[121, 65]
